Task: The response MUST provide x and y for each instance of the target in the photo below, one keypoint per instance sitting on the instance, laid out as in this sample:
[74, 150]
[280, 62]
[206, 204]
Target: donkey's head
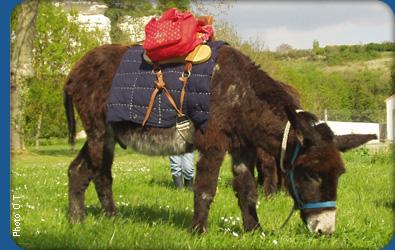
[313, 176]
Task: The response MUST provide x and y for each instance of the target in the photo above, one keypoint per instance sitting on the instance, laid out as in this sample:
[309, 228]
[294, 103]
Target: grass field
[153, 215]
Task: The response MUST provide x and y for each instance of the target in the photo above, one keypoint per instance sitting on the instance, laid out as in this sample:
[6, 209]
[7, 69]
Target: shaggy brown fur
[268, 168]
[269, 174]
[248, 110]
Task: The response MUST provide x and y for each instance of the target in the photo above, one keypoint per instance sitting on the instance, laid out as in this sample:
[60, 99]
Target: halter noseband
[290, 175]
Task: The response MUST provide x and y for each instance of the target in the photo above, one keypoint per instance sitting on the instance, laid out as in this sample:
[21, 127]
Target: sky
[299, 23]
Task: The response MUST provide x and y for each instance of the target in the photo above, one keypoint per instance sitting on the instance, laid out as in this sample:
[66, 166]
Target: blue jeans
[182, 165]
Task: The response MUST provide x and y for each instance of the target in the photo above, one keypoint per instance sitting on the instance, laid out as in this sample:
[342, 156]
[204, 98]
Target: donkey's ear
[346, 142]
[302, 123]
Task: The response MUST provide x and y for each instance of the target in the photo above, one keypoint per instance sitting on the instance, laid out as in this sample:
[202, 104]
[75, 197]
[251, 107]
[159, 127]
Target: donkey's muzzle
[322, 223]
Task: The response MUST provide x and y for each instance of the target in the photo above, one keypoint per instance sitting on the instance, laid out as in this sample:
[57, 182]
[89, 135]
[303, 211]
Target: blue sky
[299, 23]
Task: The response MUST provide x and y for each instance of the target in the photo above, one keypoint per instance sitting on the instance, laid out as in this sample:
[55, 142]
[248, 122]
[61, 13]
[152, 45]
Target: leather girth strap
[160, 85]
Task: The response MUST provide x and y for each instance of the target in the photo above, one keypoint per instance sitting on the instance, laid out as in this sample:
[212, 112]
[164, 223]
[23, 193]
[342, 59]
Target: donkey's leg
[259, 168]
[281, 181]
[267, 172]
[103, 177]
[205, 186]
[245, 187]
[270, 179]
[79, 174]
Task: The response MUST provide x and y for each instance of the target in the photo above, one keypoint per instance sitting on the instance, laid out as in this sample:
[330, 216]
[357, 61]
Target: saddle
[134, 82]
[200, 54]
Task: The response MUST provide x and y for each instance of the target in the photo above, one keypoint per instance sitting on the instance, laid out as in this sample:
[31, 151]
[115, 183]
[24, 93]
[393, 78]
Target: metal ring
[183, 74]
[154, 71]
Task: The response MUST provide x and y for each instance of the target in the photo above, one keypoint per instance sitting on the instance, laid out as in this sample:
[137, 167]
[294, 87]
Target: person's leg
[175, 169]
[188, 169]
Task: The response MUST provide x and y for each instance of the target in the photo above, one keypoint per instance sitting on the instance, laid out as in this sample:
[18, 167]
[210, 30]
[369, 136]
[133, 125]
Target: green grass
[153, 215]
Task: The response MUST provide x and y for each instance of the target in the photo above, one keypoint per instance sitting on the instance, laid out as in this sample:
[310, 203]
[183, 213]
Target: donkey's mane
[274, 92]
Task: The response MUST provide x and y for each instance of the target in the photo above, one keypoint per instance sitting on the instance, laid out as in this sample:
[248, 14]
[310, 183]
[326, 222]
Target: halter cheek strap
[298, 202]
[309, 205]
[290, 175]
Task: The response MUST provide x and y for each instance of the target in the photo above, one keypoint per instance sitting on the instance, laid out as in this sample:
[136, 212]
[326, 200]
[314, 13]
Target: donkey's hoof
[111, 213]
[75, 217]
[199, 229]
[252, 227]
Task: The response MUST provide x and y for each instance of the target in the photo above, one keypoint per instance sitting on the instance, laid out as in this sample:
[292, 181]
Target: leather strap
[184, 79]
[172, 102]
[150, 105]
[160, 85]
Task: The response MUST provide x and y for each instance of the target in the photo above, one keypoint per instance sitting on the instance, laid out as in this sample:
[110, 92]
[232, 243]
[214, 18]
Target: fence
[371, 115]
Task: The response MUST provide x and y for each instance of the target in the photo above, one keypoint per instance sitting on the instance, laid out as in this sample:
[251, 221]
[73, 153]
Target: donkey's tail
[68, 105]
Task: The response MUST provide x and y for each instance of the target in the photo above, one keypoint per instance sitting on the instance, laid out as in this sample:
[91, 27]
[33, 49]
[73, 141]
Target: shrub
[59, 42]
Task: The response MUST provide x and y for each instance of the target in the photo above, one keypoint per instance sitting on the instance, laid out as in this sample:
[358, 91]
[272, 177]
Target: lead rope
[284, 146]
[282, 154]
[284, 142]
[288, 218]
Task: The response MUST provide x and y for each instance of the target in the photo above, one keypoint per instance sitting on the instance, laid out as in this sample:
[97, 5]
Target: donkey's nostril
[319, 231]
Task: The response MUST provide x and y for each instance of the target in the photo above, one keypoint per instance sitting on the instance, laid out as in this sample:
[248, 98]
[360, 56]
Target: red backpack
[174, 34]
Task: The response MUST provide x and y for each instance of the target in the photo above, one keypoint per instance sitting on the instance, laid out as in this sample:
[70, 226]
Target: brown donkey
[248, 110]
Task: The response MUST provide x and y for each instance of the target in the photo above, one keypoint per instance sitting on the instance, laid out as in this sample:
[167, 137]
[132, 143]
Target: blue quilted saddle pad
[134, 83]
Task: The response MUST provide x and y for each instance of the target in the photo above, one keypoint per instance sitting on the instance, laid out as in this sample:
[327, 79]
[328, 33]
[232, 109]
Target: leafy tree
[284, 48]
[117, 9]
[179, 4]
[316, 48]
[59, 42]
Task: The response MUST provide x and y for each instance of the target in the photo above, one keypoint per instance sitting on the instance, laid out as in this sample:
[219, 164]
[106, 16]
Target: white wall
[390, 103]
[90, 15]
[341, 128]
[93, 22]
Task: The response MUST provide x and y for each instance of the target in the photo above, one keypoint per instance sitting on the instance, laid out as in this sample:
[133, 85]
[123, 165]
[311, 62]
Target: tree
[284, 48]
[118, 9]
[23, 22]
[316, 48]
[179, 4]
[58, 43]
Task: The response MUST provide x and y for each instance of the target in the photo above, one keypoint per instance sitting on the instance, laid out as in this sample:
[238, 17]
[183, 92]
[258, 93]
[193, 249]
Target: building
[390, 104]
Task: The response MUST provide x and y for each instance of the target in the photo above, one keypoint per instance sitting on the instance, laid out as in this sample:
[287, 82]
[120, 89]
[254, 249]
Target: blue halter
[298, 202]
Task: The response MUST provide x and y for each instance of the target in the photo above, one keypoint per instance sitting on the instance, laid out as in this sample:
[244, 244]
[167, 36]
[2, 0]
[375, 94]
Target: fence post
[325, 115]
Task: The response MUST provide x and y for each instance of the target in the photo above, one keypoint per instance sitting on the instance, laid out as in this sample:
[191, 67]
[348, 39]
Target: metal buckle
[183, 74]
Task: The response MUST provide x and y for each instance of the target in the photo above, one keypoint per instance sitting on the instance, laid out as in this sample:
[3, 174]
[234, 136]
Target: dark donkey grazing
[248, 109]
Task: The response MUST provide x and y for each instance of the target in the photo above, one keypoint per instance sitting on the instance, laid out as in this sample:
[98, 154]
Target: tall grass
[154, 215]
